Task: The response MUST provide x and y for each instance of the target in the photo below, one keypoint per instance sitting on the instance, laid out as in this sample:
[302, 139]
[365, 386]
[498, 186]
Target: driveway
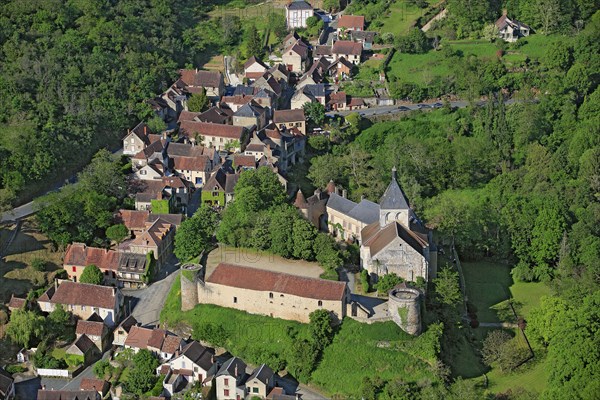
[146, 304]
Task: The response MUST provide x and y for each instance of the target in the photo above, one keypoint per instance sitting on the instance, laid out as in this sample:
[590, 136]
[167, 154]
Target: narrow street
[146, 304]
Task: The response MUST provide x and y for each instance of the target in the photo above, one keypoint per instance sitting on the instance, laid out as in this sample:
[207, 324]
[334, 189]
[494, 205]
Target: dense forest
[518, 183]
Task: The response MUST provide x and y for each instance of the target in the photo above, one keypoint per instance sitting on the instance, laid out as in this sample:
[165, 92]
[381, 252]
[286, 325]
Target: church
[397, 242]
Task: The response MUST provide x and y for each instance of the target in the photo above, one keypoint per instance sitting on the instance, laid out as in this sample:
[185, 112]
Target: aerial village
[254, 120]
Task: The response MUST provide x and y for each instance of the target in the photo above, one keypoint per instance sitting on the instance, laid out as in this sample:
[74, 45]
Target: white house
[296, 14]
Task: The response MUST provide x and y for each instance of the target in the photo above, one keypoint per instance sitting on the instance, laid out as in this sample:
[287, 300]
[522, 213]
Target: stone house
[216, 136]
[296, 58]
[340, 101]
[218, 190]
[166, 195]
[348, 49]
[16, 303]
[279, 71]
[159, 342]
[136, 220]
[96, 331]
[275, 294]
[250, 115]
[235, 101]
[290, 39]
[323, 52]
[195, 81]
[348, 23]
[132, 270]
[290, 119]
[83, 300]
[244, 162]
[254, 68]
[309, 94]
[84, 347]
[365, 38]
[297, 12]
[99, 385]
[136, 139]
[260, 382]
[157, 238]
[267, 100]
[268, 82]
[122, 331]
[511, 30]
[346, 219]
[398, 242]
[214, 115]
[79, 255]
[193, 362]
[230, 380]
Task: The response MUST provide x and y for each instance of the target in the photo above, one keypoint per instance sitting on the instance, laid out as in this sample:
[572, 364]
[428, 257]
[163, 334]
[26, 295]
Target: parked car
[403, 108]
[437, 105]
[422, 106]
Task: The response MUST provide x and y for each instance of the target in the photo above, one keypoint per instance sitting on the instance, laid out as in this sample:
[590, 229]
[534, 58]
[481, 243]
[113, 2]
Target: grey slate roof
[263, 374]
[229, 367]
[393, 198]
[317, 90]
[366, 212]
[299, 5]
[199, 355]
[249, 110]
[340, 203]
[243, 90]
[6, 381]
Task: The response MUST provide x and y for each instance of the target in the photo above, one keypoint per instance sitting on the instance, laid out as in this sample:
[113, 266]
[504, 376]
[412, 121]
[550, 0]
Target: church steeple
[393, 205]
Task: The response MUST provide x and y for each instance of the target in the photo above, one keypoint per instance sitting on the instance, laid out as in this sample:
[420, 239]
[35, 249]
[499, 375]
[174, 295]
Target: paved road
[146, 304]
[399, 108]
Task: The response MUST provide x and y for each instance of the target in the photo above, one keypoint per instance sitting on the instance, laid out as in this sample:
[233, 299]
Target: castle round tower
[189, 275]
[404, 305]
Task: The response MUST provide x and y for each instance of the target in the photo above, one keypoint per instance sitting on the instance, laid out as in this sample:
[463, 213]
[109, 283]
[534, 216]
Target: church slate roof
[393, 198]
[340, 203]
[366, 212]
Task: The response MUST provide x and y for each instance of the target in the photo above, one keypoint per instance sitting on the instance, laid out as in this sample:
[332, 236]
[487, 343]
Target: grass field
[422, 68]
[358, 350]
[490, 284]
[16, 274]
[531, 376]
[401, 17]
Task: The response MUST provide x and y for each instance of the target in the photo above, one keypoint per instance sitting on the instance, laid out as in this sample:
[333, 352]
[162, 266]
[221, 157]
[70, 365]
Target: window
[235, 299]
[132, 141]
[74, 269]
[226, 391]
[254, 390]
[280, 295]
[320, 303]
[82, 308]
[195, 369]
[226, 382]
[142, 172]
[182, 364]
[270, 295]
[106, 273]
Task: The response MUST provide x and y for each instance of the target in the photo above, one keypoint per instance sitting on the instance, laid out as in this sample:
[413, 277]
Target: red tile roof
[84, 294]
[142, 338]
[284, 116]
[81, 255]
[356, 22]
[191, 163]
[265, 281]
[189, 128]
[99, 385]
[90, 328]
[133, 219]
[241, 160]
[347, 47]
[197, 78]
[16, 302]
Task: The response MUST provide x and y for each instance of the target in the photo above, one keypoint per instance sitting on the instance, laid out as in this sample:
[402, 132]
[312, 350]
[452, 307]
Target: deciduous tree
[92, 274]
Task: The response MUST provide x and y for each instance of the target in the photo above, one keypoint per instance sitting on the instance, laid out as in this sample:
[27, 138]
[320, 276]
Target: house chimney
[145, 129]
[212, 359]
[394, 174]
[196, 70]
[236, 371]
[344, 193]
[56, 284]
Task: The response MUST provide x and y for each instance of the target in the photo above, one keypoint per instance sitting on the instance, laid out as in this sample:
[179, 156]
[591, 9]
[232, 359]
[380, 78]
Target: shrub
[387, 283]
[15, 369]
[364, 281]
[102, 368]
[38, 264]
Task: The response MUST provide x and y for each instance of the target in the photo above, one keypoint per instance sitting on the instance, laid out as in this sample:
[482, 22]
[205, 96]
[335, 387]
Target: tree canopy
[195, 234]
[91, 274]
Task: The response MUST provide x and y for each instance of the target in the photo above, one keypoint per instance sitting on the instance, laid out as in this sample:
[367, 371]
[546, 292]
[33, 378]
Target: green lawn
[489, 285]
[531, 376]
[422, 68]
[358, 350]
[402, 16]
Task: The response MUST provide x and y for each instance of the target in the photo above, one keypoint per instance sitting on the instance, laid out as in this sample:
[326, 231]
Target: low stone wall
[60, 373]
